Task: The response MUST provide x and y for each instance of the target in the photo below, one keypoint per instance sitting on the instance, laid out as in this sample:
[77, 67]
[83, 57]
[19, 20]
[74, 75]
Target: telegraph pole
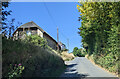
[57, 35]
[68, 44]
[57, 38]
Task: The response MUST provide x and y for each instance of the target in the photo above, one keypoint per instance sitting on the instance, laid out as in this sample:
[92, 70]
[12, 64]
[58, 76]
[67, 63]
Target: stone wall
[51, 43]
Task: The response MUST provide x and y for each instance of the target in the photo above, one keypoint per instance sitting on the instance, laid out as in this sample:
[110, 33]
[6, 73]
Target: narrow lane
[82, 67]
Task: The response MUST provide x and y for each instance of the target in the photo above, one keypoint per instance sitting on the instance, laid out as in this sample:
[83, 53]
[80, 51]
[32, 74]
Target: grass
[37, 61]
[66, 56]
[106, 64]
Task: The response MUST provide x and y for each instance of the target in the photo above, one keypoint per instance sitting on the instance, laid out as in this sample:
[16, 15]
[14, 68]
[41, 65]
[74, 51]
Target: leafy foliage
[5, 13]
[36, 60]
[78, 52]
[15, 71]
[36, 40]
[100, 31]
[8, 26]
[75, 51]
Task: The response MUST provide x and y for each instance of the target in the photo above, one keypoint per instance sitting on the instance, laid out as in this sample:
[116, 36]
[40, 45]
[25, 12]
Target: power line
[67, 39]
[63, 34]
[49, 14]
[52, 18]
[55, 24]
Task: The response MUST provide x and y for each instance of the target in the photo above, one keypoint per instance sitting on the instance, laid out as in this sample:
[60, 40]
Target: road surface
[82, 67]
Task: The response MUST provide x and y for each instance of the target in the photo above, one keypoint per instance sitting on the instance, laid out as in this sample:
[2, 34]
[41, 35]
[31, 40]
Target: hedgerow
[100, 31]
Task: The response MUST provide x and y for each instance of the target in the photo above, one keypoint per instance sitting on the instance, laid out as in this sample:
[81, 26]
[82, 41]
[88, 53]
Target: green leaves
[97, 18]
[15, 71]
[36, 40]
[79, 52]
[75, 51]
[34, 60]
[100, 30]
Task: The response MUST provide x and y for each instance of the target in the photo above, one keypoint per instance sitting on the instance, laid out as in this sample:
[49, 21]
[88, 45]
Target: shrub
[75, 51]
[15, 71]
[79, 52]
[101, 34]
[36, 40]
[34, 58]
[107, 62]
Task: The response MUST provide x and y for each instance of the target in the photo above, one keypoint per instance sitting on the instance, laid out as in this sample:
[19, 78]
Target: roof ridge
[37, 27]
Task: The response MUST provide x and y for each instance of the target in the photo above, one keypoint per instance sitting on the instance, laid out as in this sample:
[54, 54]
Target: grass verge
[37, 61]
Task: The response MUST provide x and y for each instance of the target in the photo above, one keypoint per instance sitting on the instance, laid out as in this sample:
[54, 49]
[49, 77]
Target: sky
[49, 16]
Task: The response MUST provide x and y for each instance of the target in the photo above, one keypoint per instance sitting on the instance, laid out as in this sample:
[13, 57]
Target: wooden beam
[23, 29]
[29, 29]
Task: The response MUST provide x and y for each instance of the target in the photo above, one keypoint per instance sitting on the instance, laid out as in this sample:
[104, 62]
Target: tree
[98, 20]
[75, 51]
[5, 13]
[8, 26]
[78, 52]
[100, 31]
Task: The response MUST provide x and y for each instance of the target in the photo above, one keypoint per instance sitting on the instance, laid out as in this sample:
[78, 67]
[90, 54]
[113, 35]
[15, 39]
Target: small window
[28, 33]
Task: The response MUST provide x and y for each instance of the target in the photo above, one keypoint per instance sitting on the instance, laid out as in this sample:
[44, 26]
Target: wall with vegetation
[26, 59]
[100, 31]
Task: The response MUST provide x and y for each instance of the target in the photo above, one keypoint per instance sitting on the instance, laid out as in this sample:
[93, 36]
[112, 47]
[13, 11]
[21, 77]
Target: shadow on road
[71, 72]
[71, 65]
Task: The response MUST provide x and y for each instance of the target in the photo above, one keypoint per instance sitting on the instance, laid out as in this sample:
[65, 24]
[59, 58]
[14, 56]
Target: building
[62, 46]
[32, 28]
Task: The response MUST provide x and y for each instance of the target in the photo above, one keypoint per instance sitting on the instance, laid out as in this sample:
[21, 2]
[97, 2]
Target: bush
[79, 52]
[15, 71]
[75, 51]
[36, 40]
[101, 34]
[35, 59]
[107, 62]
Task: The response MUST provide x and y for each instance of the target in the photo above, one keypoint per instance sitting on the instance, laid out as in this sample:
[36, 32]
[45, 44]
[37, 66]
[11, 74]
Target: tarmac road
[82, 67]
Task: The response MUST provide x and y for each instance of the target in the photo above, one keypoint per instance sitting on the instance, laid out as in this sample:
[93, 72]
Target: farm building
[32, 28]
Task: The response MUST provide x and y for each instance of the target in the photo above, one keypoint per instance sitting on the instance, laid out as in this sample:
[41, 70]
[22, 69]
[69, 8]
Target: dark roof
[32, 24]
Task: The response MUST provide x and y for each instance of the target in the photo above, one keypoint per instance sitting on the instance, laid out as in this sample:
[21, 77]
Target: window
[28, 33]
